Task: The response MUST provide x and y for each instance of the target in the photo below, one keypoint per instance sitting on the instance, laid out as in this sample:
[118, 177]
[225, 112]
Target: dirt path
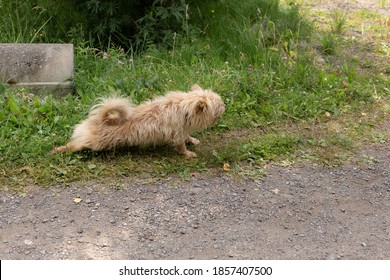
[304, 212]
[301, 212]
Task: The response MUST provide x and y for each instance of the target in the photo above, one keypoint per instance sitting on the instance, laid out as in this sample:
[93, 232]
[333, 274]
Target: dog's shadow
[135, 153]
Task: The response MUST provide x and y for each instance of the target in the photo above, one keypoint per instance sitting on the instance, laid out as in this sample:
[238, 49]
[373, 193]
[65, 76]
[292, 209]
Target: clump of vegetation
[338, 22]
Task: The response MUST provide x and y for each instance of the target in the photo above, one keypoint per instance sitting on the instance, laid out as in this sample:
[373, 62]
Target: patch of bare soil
[346, 6]
[300, 212]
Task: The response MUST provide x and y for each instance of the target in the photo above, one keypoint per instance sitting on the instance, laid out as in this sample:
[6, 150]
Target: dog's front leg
[183, 150]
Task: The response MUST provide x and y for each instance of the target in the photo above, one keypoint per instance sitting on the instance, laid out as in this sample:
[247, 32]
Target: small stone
[27, 242]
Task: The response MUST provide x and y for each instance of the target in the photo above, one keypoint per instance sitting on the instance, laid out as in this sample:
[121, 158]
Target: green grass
[41, 21]
[338, 22]
[260, 60]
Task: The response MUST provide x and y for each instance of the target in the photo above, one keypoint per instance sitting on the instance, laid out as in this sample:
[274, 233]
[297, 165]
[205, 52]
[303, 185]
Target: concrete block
[37, 65]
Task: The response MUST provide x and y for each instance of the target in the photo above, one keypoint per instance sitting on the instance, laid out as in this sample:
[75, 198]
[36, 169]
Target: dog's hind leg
[71, 146]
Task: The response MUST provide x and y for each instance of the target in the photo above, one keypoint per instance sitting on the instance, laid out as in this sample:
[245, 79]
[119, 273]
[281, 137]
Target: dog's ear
[196, 87]
[201, 106]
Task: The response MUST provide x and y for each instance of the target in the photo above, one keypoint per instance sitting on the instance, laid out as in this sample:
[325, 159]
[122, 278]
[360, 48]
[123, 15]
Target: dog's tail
[113, 110]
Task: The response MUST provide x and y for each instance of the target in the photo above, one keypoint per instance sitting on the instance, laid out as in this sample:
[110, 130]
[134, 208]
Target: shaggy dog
[168, 119]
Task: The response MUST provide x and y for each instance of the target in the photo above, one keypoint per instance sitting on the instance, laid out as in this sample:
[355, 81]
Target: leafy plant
[329, 44]
[162, 24]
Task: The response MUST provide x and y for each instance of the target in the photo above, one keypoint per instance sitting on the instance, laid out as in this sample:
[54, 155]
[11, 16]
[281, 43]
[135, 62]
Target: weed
[382, 3]
[369, 160]
[269, 147]
[338, 22]
[380, 138]
[329, 44]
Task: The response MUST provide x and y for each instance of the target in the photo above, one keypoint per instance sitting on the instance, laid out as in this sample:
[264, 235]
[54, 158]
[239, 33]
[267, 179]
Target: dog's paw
[193, 141]
[189, 154]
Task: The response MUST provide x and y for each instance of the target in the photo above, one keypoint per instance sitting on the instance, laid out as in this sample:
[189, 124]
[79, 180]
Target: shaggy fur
[167, 119]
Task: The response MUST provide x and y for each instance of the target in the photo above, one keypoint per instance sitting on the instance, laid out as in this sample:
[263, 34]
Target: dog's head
[207, 107]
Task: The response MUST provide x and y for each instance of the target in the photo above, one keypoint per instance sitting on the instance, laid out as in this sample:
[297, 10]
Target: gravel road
[302, 212]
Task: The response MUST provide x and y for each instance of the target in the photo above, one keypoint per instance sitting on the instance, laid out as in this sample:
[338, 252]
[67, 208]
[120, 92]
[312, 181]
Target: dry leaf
[77, 200]
[328, 115]
[226, 167]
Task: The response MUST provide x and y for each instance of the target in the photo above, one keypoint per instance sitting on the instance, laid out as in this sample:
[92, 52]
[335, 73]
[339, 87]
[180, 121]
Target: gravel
[301, 212]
